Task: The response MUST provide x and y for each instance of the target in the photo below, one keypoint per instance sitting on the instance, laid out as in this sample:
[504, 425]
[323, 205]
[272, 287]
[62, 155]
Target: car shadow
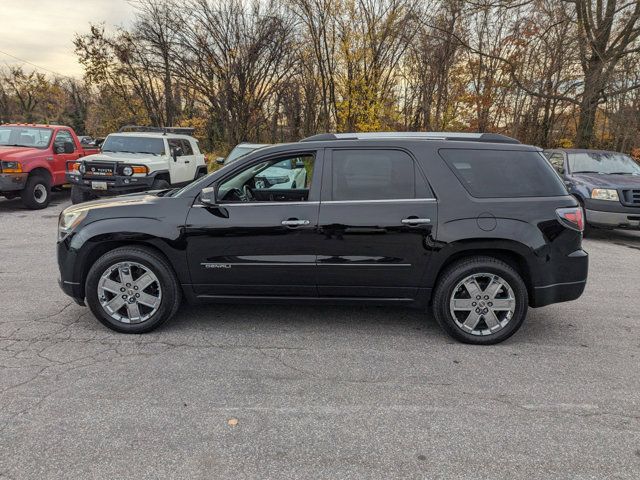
[15, 204]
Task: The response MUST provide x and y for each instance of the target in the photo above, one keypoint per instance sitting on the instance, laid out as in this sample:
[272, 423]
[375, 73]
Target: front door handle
[415, 221]
[294, 222]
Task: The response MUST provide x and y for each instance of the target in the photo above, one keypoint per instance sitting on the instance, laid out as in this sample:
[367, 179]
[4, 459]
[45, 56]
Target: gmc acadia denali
[476, 226]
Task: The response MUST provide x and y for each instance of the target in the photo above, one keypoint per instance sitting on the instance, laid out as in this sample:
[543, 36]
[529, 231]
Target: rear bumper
[629, 220]
[116, 185]
[570, 281]
[559, 292]
[10, 182]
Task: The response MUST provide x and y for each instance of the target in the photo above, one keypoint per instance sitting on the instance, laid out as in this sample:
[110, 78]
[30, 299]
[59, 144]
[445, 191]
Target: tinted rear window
[504, 173]
[372, 175]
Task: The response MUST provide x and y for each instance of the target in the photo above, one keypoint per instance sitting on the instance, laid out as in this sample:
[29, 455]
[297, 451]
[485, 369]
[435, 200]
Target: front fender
[103, 235]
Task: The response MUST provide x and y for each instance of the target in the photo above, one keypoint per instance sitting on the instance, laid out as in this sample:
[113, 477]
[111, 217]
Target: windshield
[25, 137]
[240, 151]
[603, 162]
[128, 144]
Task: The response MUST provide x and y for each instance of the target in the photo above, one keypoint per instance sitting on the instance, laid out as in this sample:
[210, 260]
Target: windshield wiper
[623, 173]
[590, 171]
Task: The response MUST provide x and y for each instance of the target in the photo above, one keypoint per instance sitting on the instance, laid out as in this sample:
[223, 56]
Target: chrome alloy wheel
[129, 292]
[40, 193]
[482, 304]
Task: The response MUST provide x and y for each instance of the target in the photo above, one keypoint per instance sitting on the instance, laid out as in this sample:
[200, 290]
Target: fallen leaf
[232, 422]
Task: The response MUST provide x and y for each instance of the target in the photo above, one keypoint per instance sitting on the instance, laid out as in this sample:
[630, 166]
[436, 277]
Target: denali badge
[215, 265]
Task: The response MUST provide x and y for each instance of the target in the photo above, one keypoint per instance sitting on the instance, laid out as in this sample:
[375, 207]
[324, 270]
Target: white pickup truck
[137, 159]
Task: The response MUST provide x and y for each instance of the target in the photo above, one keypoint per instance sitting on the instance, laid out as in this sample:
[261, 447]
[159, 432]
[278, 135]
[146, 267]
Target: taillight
[572, 218]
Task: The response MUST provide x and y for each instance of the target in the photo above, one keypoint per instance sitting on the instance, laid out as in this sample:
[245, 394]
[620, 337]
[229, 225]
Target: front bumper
[599, 218]
[116, 185]
[10, 182]
[69, 280]
[607, 214]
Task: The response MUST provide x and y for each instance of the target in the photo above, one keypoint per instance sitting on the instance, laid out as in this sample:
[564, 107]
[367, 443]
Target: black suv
[476, 226]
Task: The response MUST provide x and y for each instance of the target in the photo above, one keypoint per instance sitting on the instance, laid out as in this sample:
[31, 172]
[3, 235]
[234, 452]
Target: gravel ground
[235, 391]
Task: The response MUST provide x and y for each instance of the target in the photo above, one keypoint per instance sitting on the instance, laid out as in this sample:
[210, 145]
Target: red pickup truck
[33, 160]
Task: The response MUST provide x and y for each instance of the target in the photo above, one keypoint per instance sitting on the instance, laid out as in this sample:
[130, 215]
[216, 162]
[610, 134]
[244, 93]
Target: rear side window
[503, 173]
[372, 175]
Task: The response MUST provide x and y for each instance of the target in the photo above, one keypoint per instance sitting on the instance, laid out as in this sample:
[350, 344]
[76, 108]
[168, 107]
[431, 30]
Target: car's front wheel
[36, 193]
[480, 300]
[79, 195]
[132, 290]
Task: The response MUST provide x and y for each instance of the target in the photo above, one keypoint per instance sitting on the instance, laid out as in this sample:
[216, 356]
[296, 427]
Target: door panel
[244, 249]
[258, 246]
[369, 252]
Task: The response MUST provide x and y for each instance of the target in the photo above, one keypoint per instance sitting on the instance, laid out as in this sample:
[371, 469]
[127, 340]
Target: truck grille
[99, 169]
[631, 197]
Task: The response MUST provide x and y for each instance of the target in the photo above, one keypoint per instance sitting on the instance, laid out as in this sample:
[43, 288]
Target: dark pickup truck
[607, 185]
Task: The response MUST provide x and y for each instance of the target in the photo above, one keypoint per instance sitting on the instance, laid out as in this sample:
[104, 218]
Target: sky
[42, 31]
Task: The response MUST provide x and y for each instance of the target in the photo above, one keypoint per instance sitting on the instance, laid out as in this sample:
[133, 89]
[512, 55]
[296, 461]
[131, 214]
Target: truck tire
[480, 300]
[36, 193]
[132, 290]
[160, 184]
[78, 195]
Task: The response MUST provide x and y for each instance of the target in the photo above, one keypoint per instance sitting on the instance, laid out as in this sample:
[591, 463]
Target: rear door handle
[294, 222]
[415, 221]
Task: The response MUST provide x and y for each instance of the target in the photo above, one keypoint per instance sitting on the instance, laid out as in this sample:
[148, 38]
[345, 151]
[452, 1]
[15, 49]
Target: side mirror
[69, 147]
[220, 160]
[175, 153]
[208, 196]
[299, 164]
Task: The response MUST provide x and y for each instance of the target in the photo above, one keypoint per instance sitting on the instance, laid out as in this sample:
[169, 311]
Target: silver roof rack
[459, 136]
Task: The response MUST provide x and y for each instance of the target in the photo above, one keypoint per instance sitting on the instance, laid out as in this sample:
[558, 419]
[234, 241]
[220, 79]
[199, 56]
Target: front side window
[62, 137]
[603, 162]
[130, 144]
[372, 175]
[25, 137]
[503, 173]
[281, 179]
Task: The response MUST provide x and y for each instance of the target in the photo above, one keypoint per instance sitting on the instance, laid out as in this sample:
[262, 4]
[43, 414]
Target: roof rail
[459, 136]
[164, 130]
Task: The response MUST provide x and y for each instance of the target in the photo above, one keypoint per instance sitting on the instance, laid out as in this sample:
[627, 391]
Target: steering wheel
[248, 194]
[239, 194]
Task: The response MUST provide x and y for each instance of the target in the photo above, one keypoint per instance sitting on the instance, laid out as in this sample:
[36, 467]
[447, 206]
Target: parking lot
[235, 391]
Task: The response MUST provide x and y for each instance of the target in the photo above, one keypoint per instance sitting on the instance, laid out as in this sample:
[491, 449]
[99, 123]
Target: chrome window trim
[389, 200]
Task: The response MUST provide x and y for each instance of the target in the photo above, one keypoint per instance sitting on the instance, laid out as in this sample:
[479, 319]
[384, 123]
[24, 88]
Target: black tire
[36, 193]
[200, 174]
[170, 288]
[79, 195]
[160, 184]
[457, 272]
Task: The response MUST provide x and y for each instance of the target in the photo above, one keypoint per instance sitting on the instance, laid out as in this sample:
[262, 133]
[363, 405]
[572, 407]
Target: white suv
[134, 161]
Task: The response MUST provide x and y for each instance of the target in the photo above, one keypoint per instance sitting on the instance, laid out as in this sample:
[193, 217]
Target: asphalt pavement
[302, 392]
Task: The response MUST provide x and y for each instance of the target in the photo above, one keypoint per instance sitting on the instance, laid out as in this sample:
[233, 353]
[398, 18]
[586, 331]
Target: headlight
[11, 167]
[68, 221]
[82, 168]
[129, 170]
[604, 194]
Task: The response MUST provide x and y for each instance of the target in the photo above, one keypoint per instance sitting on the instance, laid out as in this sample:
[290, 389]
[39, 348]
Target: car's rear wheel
[132, 290]
[480, 300]
[36, 193]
